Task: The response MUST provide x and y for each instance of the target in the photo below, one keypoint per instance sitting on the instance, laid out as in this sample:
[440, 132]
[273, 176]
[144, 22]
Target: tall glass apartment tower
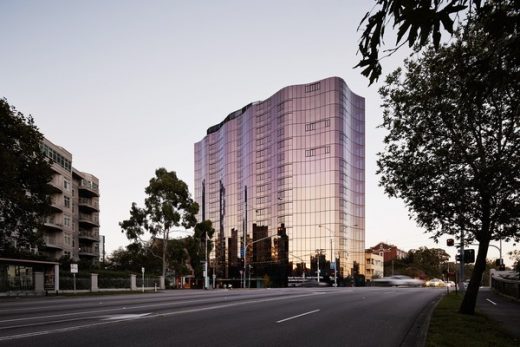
[298, 158]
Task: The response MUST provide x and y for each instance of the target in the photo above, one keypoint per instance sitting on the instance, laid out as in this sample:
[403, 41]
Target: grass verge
[450, 328]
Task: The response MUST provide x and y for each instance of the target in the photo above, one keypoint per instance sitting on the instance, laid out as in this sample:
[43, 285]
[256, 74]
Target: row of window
[317, 151]
[313, 125]
[56, 157]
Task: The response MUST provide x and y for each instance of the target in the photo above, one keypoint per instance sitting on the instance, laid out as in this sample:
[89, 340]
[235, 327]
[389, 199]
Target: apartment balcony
[88, 205]
[53, 242]
[88, 220]
[87, 251]
[56, 205]
[88, 235]
[55, 167]
[55, 185]
[53, 223]
[88, 189]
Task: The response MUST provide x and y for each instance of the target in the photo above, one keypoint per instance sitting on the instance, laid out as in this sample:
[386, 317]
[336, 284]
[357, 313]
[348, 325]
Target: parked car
[450, 284]
[435, 282]
[398, 281]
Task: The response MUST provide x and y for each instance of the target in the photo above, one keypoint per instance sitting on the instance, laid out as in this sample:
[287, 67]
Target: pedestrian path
[501, 309]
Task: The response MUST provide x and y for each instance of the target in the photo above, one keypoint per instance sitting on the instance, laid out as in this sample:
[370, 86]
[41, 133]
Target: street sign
[74, 268]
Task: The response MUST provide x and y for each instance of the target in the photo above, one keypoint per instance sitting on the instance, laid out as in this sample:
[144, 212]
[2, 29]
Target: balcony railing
[92, 219]
[89, 203]
[90, 251]
[90, 186]
[53, 241]
[56, 204]
[89, 234]
[53, 222]
[55, 184]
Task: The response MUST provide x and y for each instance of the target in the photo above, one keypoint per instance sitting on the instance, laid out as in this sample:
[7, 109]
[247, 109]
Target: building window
[310, 126]
[310, 152]
[66, 201]
[66, 185]
[262, 188]
[312, 87]
[66, 221]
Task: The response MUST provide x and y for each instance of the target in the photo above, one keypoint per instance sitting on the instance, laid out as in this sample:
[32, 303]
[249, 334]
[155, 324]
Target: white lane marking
[208, 308]
[297, 316]
[494, 303]
[145, 306]
[126, 316]
[61, 330]
[160, 304]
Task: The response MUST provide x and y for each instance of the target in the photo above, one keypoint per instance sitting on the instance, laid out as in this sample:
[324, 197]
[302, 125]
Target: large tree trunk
[470, 298]
[165, 249]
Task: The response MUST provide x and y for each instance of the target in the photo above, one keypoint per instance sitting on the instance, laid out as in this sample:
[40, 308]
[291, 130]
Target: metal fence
[149, 281]
[67, 282]
[108, 282]
[507, 287]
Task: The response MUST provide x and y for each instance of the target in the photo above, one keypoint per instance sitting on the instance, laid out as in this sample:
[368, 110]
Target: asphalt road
[501, 309]
[261, 317]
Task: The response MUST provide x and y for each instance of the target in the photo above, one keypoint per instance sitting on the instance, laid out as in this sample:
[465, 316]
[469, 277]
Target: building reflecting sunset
[299, 158]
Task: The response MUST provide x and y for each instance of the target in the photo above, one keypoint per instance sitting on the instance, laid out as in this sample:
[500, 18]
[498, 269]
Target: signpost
[74, 271]
[142, 271]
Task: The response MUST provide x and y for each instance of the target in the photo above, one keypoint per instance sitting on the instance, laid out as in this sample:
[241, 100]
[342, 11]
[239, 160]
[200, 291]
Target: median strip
[297, 316]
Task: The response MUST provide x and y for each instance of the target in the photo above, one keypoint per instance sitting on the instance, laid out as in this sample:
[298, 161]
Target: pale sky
[130, 86]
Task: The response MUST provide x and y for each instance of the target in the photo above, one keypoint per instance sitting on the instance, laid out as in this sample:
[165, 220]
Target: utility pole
[461, 273]
[318, 267]
[245, 237]
[206, 277]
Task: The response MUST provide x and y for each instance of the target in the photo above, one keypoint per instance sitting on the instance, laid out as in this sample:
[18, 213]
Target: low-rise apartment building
[72, 229]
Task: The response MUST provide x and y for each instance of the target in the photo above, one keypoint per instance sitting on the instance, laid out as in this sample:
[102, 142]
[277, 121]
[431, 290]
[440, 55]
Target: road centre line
[494, 303]
[298, 316]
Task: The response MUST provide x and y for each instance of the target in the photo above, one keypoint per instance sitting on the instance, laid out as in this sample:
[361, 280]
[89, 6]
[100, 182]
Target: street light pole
[245, 237]
[245, 250]
[318, 267]
[332, 255]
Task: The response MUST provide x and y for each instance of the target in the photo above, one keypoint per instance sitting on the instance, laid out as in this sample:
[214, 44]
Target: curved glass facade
[300, 154]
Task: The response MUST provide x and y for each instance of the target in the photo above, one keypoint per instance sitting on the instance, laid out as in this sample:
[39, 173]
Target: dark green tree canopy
[168, 204]
[453, 149]
[24, 193]
[424, 262]
[420, 22]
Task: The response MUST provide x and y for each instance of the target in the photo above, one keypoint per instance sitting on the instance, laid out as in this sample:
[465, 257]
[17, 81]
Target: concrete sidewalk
[501, 309]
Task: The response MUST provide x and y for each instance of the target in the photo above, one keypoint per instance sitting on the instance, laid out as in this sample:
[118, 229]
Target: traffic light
[450, 242]
[469, 255]
[457, 257]
[282, 230]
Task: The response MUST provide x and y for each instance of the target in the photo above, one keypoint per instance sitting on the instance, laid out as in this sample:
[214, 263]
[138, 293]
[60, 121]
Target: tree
[429, 260]
[133, 258]
[515, 255]
[453, 149]
[424, 21]
[168, 205]
[197, 246]
[24, 192]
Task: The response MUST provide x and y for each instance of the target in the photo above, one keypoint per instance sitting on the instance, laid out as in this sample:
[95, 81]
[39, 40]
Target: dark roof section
[231, 116]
